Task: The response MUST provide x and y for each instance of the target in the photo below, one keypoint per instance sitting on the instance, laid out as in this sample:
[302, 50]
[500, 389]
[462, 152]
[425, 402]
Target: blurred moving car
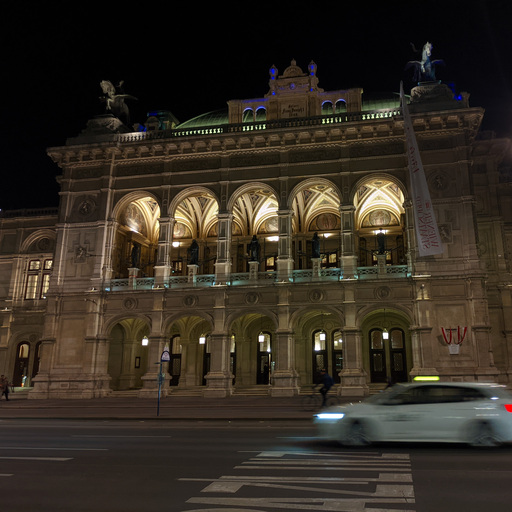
[475, 413]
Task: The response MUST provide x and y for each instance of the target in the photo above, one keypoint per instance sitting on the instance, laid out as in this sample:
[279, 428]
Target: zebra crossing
[311, 481]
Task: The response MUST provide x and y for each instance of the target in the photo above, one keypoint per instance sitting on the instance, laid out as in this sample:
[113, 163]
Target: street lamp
[145, 341]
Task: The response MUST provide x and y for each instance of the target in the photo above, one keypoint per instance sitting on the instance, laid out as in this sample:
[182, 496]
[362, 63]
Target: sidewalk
[171, 408]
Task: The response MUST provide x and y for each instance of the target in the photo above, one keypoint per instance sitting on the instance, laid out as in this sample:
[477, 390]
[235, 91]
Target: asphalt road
[237, 466]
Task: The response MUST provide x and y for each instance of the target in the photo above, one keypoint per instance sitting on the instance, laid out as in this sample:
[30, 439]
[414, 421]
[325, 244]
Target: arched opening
[261, 114]
[254, 220]
[136, 238]
[20, 376]
[387, 347]
[248, 115]
[127, 358]
[319, 344]
[195, 234]
[341, 107]
[327, 108]
[316, 225]
[380, 223]
[252, 341]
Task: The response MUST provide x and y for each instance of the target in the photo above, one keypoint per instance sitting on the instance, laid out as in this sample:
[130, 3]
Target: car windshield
[384, 395]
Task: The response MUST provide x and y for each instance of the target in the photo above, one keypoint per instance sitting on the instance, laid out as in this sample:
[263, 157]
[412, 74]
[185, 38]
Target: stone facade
[321, 181]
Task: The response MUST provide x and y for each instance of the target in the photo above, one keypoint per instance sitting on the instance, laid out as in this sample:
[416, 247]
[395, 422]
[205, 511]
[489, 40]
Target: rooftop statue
[424, 69]
[114, 100]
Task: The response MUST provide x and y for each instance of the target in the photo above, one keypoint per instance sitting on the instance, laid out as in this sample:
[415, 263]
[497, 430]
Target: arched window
[261, 114]
[341, 107]
[327, 108]
[248, 116]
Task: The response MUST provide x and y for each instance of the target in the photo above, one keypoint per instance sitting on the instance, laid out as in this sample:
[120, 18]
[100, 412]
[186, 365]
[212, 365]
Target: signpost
[164, 358]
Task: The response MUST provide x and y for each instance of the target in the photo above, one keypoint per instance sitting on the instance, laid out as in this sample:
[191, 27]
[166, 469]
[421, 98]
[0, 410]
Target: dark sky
[191, 60]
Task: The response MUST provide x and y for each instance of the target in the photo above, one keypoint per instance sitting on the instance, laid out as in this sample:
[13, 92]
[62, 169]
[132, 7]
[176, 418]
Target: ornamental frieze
[252, 160]
[314, 155]
[197, 164]
[139, 168]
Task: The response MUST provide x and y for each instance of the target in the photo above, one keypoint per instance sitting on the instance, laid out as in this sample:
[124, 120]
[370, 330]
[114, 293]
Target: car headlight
[330, 415]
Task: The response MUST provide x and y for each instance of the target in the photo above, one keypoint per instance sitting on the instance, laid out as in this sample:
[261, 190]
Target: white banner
[427, 233]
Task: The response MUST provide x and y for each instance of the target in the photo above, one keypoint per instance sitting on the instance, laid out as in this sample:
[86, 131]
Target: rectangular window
[32, 285]
[38, 279]
[46, 284]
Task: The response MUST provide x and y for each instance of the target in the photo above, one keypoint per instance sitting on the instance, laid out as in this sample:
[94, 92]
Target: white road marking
[54, 459]
[157, 437]
[6, 474]
[388, 484]
[323, 504]
[71, 449]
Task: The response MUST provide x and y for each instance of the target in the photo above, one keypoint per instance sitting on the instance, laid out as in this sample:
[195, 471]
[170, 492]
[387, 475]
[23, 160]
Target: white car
[475, 413]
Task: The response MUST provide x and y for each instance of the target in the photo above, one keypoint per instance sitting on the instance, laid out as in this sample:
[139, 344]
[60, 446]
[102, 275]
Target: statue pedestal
[316, 266]
[133, 274]
[253, 270]
[381, 265]
[192, 273]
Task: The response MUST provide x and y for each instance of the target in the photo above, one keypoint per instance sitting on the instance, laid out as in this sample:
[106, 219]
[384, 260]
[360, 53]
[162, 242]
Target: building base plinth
[219, 385]
[76, 387]
[284, 384]
[353, 383]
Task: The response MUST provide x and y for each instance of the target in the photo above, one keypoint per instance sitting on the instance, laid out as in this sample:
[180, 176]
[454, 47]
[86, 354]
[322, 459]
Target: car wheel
[484, 436]
[357, 435]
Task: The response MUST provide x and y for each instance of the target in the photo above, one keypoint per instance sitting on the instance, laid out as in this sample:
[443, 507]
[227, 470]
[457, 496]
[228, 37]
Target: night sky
[192, 60]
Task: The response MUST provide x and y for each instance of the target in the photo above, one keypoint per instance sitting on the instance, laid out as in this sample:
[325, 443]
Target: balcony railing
[345, 117]
[245, 278]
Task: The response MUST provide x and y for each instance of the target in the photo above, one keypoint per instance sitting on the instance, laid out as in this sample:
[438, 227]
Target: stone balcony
[261, 278]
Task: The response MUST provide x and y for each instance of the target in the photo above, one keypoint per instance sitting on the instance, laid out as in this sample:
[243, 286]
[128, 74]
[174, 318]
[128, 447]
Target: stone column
[348, 258]
[163, 264]
[223, 262]
[284, 247]
[353, 376]
[42, 380]
[285, 378]
[219, 379]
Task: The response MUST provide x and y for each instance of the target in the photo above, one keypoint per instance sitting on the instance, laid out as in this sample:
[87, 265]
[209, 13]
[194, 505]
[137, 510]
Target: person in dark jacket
[327, 384]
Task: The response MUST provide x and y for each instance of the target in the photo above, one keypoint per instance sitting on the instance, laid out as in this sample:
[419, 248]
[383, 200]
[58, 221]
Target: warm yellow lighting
[145, 341]
[175, 244]
[322, 336]
[202, 339]
[385, 335]
[261, 337]
[272, 238]
[426, 378]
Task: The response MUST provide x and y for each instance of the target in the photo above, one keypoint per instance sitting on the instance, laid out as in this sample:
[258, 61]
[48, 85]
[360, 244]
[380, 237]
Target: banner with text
[427, 233]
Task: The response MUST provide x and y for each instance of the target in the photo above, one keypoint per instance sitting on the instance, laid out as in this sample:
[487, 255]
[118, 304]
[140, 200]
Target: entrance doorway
[388, 360]
[20, 376]
[264, 358]
[175, 361]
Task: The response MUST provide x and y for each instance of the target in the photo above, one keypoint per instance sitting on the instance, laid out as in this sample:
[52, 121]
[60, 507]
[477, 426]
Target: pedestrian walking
[4, 385]
[327, 384]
